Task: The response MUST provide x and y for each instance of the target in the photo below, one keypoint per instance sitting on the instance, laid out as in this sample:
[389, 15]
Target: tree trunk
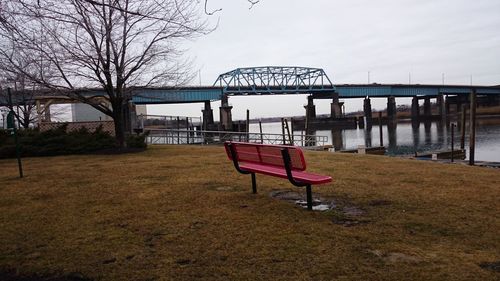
[119, 124]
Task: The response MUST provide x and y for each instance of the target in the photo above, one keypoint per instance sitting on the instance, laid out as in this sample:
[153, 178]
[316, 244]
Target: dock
[376, 150]
[445, 154]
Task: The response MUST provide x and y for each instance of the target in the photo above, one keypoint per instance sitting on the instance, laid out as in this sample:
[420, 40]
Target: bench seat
[276, 171]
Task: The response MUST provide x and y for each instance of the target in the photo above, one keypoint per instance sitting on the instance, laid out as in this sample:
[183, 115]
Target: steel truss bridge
[280, 80]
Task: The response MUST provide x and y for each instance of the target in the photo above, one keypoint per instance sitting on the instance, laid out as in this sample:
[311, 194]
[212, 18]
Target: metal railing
[168, 122]
[166, 136]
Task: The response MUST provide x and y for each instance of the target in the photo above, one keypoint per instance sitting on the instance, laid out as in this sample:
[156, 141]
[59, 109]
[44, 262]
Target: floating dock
[446, 154]
[377, 150]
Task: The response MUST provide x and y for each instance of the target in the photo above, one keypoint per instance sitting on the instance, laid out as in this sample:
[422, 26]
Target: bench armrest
[286, 161]
[234, 157]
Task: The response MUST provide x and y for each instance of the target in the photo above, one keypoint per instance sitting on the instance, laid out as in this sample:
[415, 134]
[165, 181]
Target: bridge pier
[336, 111]
[367, 108]
[427, 107]
[208, 116]
[415, 110]
[441, 107]
[391, 108]
[310, 108]
[226, 120]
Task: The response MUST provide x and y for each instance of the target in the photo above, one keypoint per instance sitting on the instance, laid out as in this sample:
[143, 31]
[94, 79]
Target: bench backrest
[266, 154]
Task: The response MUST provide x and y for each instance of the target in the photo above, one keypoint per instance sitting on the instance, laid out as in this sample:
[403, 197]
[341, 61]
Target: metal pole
[260, 129]
[187, 129]
[291, 129]
[462, 127]
[380, 128]
[288, 132]
[16, 140]
[248, 125]
[472, 124]
[452, 140]
[178, 131]
[283, 130]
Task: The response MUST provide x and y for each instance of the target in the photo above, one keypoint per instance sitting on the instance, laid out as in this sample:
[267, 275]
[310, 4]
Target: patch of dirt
[224, 188]
[319, 203]
[493, 266]
[344, 212]
[348, 222]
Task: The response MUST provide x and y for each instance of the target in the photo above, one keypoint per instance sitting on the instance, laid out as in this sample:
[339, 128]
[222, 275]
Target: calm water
[405, 140]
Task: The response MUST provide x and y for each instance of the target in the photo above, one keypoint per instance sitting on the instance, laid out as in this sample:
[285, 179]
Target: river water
[405, 139]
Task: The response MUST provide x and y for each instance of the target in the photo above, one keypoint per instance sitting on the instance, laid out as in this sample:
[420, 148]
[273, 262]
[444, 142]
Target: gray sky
[389, 38]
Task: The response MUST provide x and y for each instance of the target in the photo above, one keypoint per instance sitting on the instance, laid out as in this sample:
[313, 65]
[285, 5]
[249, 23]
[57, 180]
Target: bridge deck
[200, 94]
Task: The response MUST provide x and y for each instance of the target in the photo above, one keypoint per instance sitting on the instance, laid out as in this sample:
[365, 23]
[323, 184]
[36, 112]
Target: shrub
[136, 141]
[55, 142]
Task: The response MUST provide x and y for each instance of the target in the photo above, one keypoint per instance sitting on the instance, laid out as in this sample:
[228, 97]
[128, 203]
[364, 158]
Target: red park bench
[274, 160]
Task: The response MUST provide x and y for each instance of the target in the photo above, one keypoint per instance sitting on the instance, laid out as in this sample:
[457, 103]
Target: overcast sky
[391, 39]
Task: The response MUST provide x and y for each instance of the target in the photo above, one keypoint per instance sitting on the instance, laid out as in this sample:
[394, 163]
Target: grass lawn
[184, 213]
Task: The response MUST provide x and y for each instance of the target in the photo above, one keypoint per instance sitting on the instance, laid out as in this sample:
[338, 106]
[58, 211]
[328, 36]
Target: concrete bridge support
[310, 108]
[336, 111]
[367, 108]
[427, 106]
[415, 110]
[208, 116]
[391, 108]
[226, 120]
[441, 107]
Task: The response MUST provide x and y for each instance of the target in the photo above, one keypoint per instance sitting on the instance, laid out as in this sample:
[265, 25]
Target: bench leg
[309, 197]
[254, 184]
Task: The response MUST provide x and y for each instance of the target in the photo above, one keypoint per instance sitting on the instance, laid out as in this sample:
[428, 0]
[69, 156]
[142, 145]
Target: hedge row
[59, 142]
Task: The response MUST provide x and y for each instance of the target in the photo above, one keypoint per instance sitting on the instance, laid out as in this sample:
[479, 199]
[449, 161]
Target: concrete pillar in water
[310, 108]
[367, 108]
[391, 108]
[427, 107]
[226, 121]
[441, 107]
[458, 103]
[208, 116]
[415, 110]
[336, 111]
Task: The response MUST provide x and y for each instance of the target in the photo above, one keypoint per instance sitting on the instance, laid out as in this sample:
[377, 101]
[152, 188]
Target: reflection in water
[337, 141]
[393, 137]
[428, 137]
[406, 138]
[368, 137]
[416, 133]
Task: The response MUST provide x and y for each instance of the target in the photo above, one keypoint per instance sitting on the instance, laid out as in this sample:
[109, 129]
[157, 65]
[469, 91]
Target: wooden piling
[463, 127]
[380, 128]
[472, 124]
[452, 140]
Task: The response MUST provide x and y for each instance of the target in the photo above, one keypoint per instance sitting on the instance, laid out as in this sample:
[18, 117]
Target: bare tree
[252, 3]
[113, 45]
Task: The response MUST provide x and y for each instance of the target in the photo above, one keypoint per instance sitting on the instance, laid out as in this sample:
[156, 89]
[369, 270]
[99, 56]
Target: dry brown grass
[183, 213]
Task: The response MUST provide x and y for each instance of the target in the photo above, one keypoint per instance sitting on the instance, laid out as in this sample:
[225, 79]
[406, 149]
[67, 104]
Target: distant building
[82, 112]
